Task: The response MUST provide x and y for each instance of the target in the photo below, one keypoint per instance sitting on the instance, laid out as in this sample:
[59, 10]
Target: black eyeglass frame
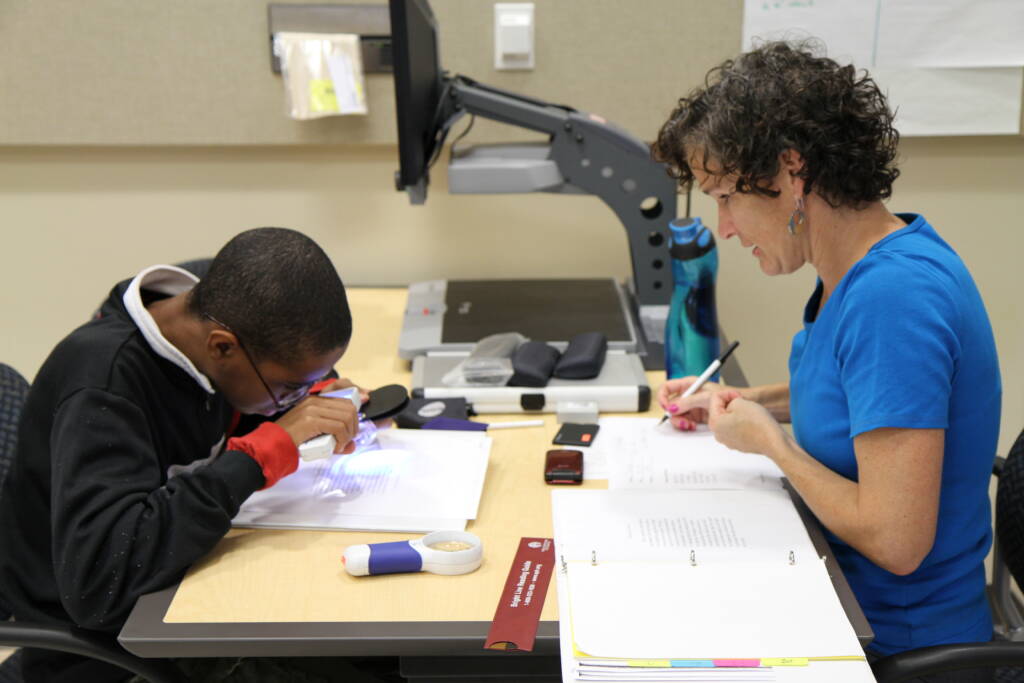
[278, 405]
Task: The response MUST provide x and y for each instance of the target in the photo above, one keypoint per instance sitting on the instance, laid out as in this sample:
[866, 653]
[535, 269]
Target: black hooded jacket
[92, 518]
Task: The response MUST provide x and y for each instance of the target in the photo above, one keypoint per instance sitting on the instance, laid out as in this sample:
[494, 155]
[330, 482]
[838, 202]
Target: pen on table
[705, 376]
[518, 423]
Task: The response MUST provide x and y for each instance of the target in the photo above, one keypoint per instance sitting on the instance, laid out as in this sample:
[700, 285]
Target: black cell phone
[563, 466]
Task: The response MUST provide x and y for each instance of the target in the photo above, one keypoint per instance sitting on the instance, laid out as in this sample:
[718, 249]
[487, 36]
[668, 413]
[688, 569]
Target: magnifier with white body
[322, 446]
[439, 552]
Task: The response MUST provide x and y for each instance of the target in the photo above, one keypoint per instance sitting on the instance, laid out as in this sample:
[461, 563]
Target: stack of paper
[413, 480]
[693, 585]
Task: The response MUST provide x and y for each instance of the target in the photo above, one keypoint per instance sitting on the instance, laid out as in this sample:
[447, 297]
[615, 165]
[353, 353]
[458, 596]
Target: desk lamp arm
[591, 156]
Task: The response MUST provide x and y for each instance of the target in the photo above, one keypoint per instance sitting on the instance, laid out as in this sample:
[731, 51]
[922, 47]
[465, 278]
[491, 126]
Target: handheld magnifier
[382, 403]
[439, 552]
[322, 446]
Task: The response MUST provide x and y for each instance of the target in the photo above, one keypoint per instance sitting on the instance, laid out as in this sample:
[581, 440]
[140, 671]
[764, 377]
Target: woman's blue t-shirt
[904, 341]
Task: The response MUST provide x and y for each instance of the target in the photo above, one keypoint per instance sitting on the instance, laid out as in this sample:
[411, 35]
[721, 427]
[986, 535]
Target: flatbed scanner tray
[620, 388]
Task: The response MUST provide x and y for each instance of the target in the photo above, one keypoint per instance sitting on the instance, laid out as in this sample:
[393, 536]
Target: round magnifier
[439, 552]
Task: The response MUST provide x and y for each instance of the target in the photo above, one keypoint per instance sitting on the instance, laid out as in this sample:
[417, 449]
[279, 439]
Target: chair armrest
[912, 664]
[67, 638]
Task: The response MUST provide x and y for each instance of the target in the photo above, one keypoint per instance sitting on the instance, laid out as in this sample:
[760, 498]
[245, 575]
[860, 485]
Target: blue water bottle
[691, 331]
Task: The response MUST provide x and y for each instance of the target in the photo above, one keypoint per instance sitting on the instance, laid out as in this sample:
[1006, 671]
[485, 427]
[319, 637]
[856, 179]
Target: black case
[533, 362]
[584, 357]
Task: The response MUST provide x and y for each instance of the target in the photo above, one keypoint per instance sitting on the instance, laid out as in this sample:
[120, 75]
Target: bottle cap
[690, 238]
[685, 229]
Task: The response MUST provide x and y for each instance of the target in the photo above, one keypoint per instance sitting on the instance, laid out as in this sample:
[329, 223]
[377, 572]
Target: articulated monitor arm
[586, 154]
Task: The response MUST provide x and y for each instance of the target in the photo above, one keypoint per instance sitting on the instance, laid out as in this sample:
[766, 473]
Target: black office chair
[65, 638]
[1003, 657]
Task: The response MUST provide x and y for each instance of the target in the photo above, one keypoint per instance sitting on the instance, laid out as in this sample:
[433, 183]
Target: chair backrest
[1010, 511]
[13, 390]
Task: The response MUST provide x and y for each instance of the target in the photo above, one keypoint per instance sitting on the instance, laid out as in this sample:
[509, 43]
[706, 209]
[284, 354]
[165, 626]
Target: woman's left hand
[741, 424]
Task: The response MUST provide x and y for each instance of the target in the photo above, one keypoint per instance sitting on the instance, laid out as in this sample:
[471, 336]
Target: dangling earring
[798, 218]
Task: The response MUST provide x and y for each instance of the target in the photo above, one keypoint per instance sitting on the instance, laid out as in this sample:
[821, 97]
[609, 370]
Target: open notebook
[679, 585]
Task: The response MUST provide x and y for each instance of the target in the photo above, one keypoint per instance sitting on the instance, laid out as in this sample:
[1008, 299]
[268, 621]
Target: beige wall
[77, 219]
[196, 72]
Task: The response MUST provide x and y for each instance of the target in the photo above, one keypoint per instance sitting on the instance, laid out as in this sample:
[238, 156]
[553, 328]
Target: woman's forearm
[890, 514]
[774, 397]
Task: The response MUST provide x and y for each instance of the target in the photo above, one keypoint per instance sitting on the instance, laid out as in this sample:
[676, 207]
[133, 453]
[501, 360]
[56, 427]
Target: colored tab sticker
[785, 661]
[653, 663]
[692, 663]
[738, 662]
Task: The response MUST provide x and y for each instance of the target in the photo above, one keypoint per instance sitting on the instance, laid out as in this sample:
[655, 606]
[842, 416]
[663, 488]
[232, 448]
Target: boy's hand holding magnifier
[323, 417]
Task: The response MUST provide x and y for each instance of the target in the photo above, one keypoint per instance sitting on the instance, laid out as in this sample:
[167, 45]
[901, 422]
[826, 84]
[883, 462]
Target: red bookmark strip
[515, 621]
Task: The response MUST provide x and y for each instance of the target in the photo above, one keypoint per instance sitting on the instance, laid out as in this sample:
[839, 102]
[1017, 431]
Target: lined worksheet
[641, 454]
[716, 526]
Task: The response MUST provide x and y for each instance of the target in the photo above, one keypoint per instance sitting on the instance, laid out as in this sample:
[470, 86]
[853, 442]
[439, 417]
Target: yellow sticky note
[321, 96]
[785, 661]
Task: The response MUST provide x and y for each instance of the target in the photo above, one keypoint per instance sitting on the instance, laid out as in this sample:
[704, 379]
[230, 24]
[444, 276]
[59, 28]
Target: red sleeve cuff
[321, 385]
[272, 449]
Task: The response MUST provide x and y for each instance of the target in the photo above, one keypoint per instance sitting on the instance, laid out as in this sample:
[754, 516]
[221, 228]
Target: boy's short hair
[279, 292]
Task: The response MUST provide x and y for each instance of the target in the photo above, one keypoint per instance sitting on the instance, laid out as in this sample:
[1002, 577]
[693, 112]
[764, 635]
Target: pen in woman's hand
[704, 377]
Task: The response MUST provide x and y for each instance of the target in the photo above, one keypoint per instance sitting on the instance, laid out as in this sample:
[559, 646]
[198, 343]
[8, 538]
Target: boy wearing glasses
[147, 428]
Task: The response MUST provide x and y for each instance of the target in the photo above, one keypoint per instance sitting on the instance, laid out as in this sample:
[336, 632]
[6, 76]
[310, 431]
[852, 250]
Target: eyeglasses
[289, 398]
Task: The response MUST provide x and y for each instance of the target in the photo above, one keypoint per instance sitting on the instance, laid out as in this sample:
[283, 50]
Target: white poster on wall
[950, 33]
[953, 101]
[949, 67]
[846, 28]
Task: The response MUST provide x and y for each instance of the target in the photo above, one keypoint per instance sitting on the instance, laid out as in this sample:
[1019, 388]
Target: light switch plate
[513, 35]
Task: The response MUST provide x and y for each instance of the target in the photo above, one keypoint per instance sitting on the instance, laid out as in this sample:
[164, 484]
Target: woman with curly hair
[894, 389]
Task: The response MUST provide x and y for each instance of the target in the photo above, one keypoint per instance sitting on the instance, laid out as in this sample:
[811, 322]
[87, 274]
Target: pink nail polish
[673, 408]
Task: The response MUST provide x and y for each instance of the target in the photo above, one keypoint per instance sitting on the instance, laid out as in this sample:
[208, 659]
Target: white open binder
[725, 583]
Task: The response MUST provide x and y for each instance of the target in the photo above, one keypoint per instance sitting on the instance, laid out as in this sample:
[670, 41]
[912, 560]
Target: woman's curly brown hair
[778, 97]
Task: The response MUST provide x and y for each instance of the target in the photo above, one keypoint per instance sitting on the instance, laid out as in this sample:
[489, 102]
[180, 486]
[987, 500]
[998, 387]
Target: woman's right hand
[687, 413]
